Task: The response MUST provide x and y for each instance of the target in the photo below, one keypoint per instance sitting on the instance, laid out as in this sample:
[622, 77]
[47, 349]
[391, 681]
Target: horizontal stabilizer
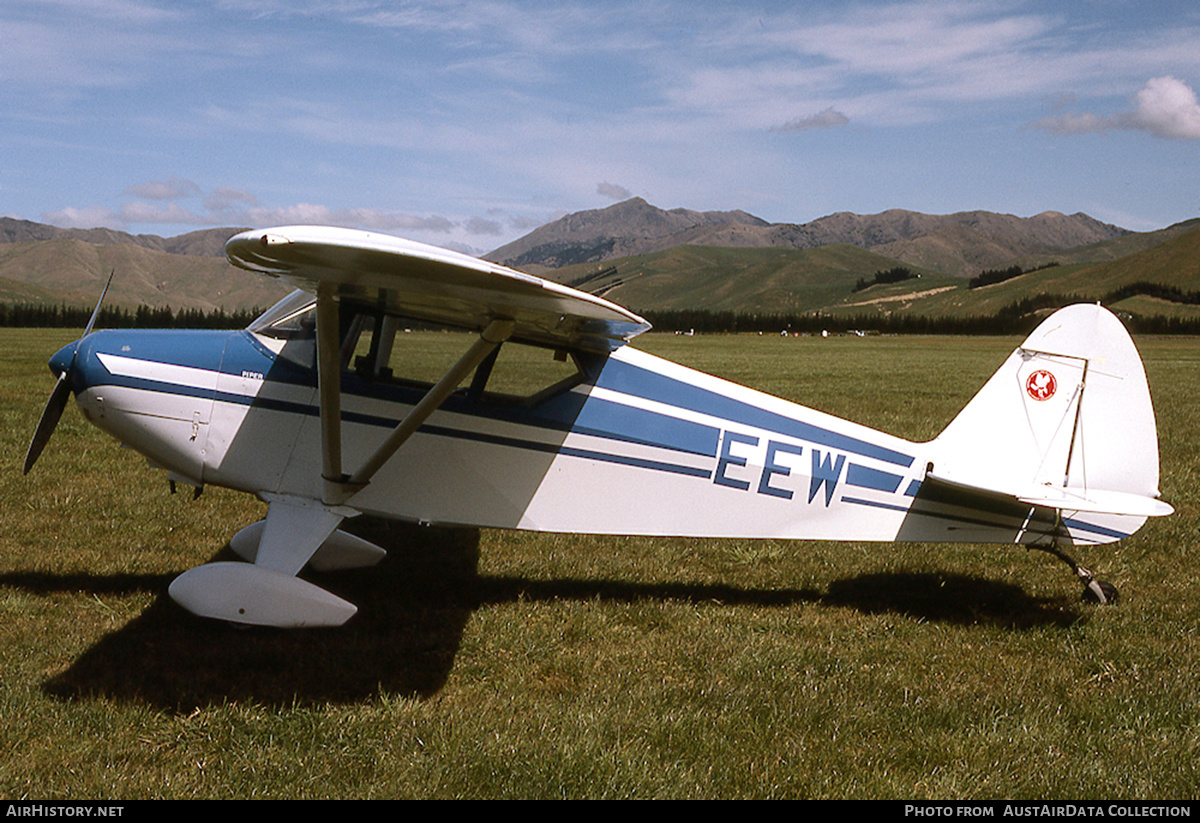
[1098, 502]
[1123, 504]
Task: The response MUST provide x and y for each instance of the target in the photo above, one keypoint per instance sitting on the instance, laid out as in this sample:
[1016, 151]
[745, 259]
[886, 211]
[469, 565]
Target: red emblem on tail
[1041, 385]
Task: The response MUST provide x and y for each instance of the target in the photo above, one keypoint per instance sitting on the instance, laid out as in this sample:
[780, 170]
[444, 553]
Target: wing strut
[339, 487]
[496, 333]
[329, 391]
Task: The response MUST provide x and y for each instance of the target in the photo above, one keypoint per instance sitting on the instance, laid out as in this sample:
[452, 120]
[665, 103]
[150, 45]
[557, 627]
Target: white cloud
[827, 119]
[224, 198]
[311, 213]
[85, 218]
[1165, 107]
[159, 213]
[613, 192]
[165, 189]
[482, 226]
[231, 206]
[1074, 123]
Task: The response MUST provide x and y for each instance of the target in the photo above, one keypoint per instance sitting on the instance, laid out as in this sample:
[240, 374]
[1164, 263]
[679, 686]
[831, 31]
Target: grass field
[506, 665]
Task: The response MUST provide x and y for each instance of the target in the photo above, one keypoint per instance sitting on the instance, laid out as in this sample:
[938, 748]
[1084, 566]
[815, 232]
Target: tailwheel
[1094, 590]
[1100, 591]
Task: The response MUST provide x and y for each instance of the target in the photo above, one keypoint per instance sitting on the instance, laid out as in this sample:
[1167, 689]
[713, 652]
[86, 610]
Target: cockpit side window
[387, 349]
[393, 350]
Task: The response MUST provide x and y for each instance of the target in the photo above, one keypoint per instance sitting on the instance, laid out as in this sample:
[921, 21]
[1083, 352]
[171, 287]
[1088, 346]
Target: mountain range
[649, 258]
[46, 264]
[203, 243]
[959, 244]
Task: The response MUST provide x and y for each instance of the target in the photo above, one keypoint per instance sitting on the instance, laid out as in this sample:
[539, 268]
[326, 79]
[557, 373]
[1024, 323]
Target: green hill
[774, 279]
[790, 281]
[1174, 264]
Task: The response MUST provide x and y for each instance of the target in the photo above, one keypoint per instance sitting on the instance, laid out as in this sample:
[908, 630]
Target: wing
[428, 283]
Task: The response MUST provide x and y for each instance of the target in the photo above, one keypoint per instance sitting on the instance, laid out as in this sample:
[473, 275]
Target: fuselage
[631, 444]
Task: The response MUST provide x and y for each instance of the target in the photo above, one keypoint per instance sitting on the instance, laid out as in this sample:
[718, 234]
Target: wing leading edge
[427, 283]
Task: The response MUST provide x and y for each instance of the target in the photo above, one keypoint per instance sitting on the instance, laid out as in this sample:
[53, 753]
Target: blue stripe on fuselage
[236, 352]
[1075, 523]
[194, 349]
[201, 350]
[634, 380]
[868, 478]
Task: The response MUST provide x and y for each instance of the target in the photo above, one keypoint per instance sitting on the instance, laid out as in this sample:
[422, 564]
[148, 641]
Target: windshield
[292, 318]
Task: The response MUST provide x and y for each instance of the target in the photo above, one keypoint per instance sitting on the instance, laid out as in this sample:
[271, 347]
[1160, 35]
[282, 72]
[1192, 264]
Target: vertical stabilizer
[1065, 422]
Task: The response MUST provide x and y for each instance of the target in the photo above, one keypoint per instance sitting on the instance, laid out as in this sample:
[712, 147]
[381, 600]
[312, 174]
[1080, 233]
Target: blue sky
[467, 124]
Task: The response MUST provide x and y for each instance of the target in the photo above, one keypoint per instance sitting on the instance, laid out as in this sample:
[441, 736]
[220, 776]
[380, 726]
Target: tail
[1066, 424]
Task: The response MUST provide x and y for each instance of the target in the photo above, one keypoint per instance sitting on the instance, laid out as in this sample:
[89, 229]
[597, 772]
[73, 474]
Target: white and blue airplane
[311, 409]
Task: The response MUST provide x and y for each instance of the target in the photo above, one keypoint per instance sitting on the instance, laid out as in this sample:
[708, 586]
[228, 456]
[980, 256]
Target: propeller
[60, 394]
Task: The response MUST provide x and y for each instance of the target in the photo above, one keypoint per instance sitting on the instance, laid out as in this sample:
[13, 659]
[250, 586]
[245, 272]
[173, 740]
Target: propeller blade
[49, 419]
[96, 311]
[61, 394]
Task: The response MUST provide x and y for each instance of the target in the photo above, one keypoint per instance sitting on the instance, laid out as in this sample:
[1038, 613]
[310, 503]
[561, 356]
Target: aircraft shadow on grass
[421, 599]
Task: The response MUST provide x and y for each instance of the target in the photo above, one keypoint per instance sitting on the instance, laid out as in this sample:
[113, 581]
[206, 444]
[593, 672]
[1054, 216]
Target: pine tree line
[988, 277]
[1018, 317]
[894, 275]
[31, 315]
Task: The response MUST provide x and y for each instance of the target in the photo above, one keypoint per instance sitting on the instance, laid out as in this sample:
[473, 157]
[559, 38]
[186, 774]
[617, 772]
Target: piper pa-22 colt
[310, 409]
